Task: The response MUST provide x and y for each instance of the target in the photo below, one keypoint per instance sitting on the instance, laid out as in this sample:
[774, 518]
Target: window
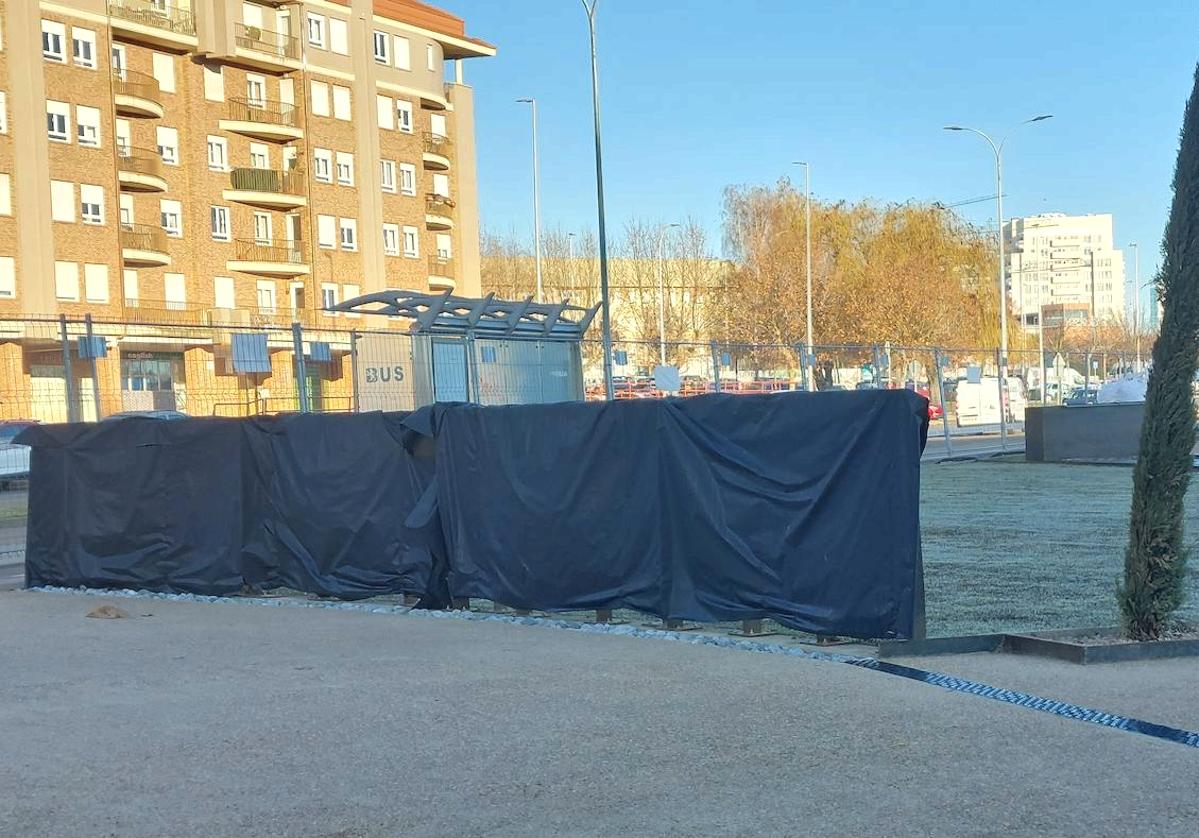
[53, 36]
[218, 153]
[445, 246]
[287, 91]
[219, 220]
[83, 47]
[339, 40]
[176, 291]
[341, 103]
[62, 201]
[66, 281]
[403, 52]
[168, 145]
[404, 115]
[441, 185]
[387, 175]
[125, 204]
[437, 125]
[411, 242]
[322, 165]
[320, 98]
[3, 112]
[5, 195]
[391, 239]
[171, 213]
[129, 280]
[345, 168]
[326, 231]
[123, 135]
[262, 227]
[164, 71]
[260, 156]
[214, 83]
[266, 296]
[58, 121]
[430, 57]
[382, 47]
[407, 179]
[223, 292]
[87, 126]
[255, 90]
[95, 283]
[349, 234]
[349, 292]
[91, 203]
[386, 114]
[316, 30]
[328, 295]
[8, 277]
[296, 292]
[118, 60]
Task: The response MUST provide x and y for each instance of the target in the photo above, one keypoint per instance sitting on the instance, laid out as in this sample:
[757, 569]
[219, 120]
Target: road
[969, 445]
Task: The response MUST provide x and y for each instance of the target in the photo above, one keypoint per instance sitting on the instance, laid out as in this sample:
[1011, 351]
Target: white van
[978, 404]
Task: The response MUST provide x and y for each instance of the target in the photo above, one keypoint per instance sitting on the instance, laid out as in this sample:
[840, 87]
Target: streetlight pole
[662, 228]
[997, 148]
[605, 307]
[811, 360]
[570, 246]
[536, 197]
[1136, 299]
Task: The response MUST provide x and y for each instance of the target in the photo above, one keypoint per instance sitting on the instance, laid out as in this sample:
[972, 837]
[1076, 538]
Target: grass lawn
[1013, 545]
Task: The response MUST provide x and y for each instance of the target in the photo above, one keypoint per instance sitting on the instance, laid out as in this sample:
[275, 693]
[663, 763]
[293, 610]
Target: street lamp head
[1040, 118]
[527, 101]
[954, 128]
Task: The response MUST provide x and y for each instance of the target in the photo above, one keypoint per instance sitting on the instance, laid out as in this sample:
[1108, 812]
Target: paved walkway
[222, 720]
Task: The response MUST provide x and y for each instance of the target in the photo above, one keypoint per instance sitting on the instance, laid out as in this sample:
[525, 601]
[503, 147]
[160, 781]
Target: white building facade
[1064, 259]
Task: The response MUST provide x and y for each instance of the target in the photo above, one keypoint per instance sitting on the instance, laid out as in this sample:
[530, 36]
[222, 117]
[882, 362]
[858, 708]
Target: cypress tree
[1155, 562]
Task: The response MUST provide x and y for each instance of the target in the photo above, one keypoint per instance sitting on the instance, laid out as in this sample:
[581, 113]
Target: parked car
[1082, 396]
[167, 415]
[14, 459]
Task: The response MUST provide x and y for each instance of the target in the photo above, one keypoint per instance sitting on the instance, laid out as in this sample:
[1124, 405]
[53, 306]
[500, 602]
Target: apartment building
[223, 164]
[1064, 260]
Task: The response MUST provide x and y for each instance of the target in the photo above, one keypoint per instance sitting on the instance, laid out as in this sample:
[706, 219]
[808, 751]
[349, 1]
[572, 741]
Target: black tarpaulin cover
[800, 507]
[138, 503]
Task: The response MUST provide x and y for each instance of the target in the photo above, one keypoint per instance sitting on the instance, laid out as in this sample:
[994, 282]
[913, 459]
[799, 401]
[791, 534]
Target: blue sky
[699, 94]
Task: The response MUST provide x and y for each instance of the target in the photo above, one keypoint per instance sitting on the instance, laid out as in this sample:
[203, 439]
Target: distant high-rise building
[1058, 259]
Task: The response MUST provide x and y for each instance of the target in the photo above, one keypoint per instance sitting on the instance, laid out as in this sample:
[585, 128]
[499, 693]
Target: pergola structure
[481, 316]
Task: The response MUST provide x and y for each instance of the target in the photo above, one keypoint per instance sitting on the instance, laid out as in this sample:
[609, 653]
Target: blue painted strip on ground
[1032, 702]
[937, 679]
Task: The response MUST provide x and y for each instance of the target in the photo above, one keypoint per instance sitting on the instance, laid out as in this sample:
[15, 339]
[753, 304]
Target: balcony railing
[143, 237]
[278, 44]
[265, 111]
[133, 83]
[166, 312]
[287, 182]
[441, 266]
[437, 144]
[141, 161]
[438, 204]
[159, 14]
[264, 250]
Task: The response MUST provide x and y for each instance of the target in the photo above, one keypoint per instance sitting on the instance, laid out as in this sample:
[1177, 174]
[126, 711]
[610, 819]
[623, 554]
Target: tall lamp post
[536, 197]
[605, 307]
[997, 148]
[1136, 299]
[570, 246]
[662, 228]
[810, 361]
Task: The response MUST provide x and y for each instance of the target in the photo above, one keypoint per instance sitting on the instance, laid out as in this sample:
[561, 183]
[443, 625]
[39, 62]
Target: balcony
[144, 246]
[164, 312]
[439, 212]
[267, 188]
[265, 49]
[140, 170]
[441, 270]
[155, 22]
[265, 119]
[264, 257]
[136, 94]
[437, 151]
